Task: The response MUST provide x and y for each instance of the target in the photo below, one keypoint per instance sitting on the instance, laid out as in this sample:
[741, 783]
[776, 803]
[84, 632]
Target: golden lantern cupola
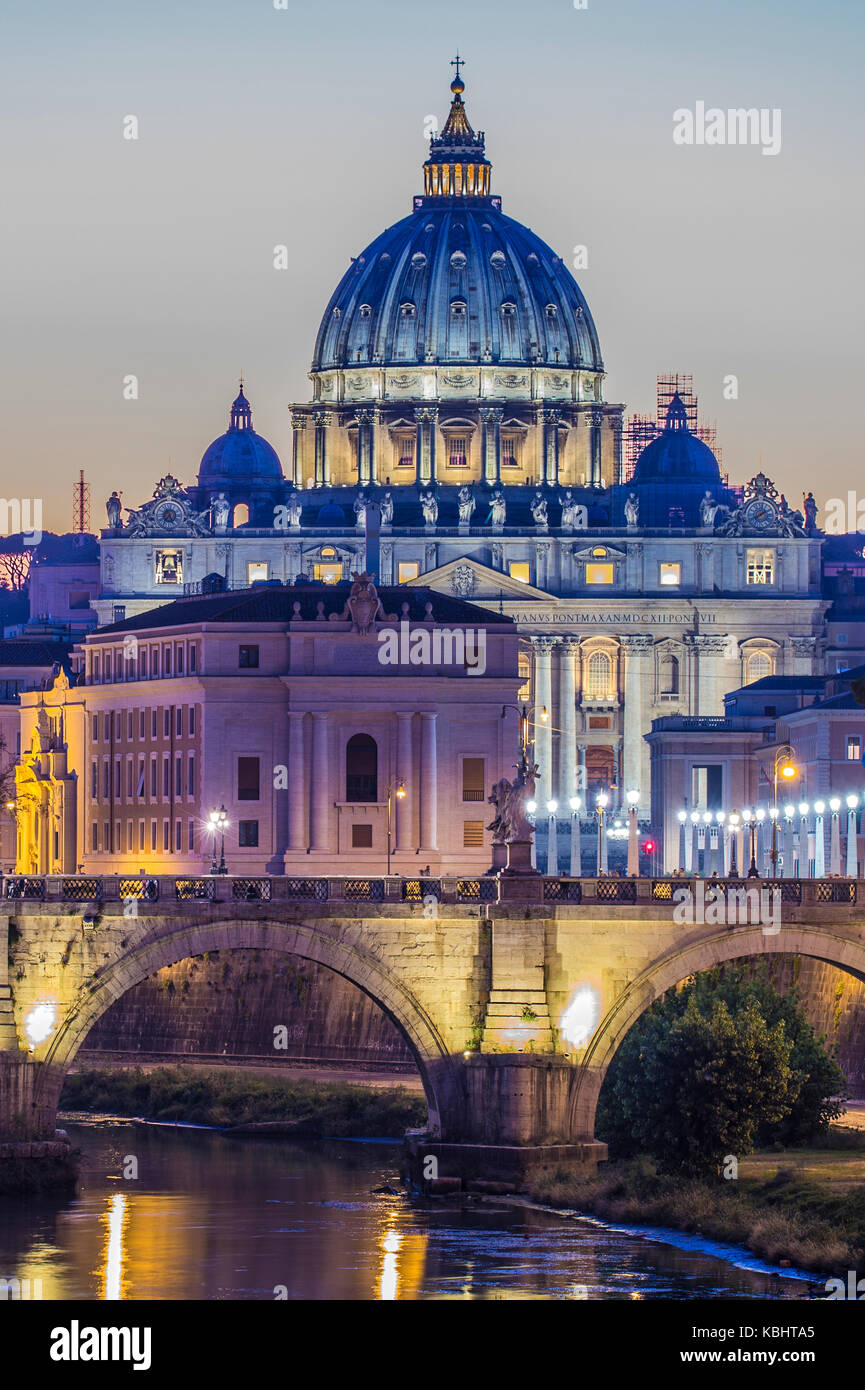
[457, 166]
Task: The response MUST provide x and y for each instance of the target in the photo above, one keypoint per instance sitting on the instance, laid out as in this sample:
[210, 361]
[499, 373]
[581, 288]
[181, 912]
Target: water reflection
[218, 1218]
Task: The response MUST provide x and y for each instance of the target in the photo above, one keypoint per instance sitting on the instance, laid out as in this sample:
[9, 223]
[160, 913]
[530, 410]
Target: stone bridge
[513, 994]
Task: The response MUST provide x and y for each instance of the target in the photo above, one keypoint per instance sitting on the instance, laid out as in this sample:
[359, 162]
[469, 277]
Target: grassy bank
[225, 1098]
[805, 1206]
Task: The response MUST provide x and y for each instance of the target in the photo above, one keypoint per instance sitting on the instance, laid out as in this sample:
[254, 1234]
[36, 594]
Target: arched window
[241, 515]
[758, 665]
[599, 677]
[361, 768]
[669, 676]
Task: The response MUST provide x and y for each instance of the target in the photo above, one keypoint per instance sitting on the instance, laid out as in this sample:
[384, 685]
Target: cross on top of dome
[457, 166]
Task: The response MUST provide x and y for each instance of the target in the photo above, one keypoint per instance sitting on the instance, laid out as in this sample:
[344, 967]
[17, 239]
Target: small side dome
[677, 454]
[239, 456]
[331, 514]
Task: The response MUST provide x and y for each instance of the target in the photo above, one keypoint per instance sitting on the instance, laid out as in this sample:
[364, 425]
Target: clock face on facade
[168, 514]
[760, 514]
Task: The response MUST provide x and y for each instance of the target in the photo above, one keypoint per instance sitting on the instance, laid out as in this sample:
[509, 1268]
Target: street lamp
[218, 821]
[751, 827]
[602, 802]
[576, 846]
[784, 767]
[819, 840]
[396, 789]
[681, 817]
[733, 822]
[633, 839]
[525, 712]
[552, 840]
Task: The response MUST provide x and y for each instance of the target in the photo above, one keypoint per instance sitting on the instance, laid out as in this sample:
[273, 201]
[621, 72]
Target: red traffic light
[648, 847]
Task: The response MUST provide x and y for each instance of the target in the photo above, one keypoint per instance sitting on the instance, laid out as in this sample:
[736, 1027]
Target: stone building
[303, 711]
[458, 439]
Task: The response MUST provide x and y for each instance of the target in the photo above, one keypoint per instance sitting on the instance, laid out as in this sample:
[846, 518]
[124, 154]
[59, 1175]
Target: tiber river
[213, 1217]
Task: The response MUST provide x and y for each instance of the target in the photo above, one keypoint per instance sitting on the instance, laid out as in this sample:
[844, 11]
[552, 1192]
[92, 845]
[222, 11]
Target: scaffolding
[81, 505]
[640, 430]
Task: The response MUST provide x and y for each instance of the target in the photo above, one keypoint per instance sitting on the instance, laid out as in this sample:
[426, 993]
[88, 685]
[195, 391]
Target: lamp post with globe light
[682, 818]
[852, 866]
[576, 845]
[395, 789]
[733, 821]
[602, 802]
[218, 820]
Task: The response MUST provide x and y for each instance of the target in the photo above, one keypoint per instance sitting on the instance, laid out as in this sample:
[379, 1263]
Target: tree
[695, 1080]
[15, 560]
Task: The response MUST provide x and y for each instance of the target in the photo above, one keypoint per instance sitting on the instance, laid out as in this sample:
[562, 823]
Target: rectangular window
[327, 574]
[142, 724]
[512, 449]
[166, 776]
[519, 569]
[117, 777]
[191, 835]
[94, 838]
[473, 834]
[178, 721]
[106, 832]
[760, 567]
[247, 656]
[153, 835]
[130, 836]
[94, 779]
[178, 835]
[130, 726]
[524, 670]
[599, 721]
[408, 569]
[193, 659]
[153, 776]
[166, 836]
[191, 720]
[473, 779]
[166, 661]
[178, 775]
[153, 724]
[854, 749]
[247, 834]
[247, 779]
[361, 836]
[599, 574]
[130, 777]
[141, 835]
[166, 722]
[139, 788]
[671, 574]
[255, 570]
[106, 779]
[95, 727]
[190, 780]
[178, 660]
[142, 663]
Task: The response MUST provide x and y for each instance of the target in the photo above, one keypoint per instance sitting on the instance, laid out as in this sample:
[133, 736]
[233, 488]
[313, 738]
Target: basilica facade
[458, 439]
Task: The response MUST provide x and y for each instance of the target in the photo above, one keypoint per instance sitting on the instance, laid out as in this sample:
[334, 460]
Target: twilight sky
[305, 126]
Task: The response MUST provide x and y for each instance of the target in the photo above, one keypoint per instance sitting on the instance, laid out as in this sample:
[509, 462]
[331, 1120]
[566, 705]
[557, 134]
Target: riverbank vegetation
[227, 1098]
[803, 1206]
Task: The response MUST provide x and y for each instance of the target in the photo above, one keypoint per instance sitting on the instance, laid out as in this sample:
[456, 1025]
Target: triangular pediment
[485, 583]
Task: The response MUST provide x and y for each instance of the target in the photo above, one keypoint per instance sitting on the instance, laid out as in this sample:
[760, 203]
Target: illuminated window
[327, 574]
[169, 567]
[403, 450]
[458, 448]
[256, 569]
[854, 749]
[473, 779]
[407, 569]
[512, 450]
[758, 665]
[671, 574]
[241, 514]
[524, 667]
[599, 677]
[760, 567]
[599, 574]
[519, 569]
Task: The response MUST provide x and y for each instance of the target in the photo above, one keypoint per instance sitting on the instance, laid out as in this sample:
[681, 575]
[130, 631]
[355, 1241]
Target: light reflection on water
[211, 1217]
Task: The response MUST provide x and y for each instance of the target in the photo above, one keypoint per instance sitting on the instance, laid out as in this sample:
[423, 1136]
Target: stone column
[491, 438]
[596, 419]
[319, 785]
[638, 651]
[428, 779]
[322, 420]
[804, 654]
[708, 650]
[567, 721]
[542, 732]
[404, 766]
[298, 425]
[426, 417]
[363, 418]
[297, 782]
[551, 417]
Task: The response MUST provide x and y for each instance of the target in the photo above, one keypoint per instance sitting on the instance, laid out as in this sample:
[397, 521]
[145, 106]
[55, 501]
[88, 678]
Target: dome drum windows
[458, 439]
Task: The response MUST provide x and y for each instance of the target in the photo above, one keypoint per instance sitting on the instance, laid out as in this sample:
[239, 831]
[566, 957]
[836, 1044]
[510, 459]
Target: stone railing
[163, 888]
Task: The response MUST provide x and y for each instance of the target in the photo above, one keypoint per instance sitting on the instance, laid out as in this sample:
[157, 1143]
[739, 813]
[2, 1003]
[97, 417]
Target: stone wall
[229, 1002]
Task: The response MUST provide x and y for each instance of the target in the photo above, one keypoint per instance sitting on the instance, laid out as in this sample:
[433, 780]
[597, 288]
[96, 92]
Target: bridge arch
[820, 943]
[441, 1077]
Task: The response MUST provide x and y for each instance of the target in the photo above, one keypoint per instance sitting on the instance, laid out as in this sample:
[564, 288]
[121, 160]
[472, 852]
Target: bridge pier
[516, 1122]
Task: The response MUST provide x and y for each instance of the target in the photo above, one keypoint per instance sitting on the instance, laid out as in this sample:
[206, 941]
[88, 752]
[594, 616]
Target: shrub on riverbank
[224, 1098]
[780, 1218]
